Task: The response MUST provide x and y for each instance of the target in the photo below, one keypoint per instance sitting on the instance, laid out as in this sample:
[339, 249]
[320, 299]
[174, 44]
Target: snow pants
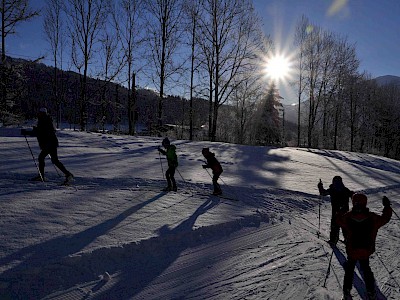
[54, 160]
[170, 175]
[335, 228]
[367, 275]
[217, 188]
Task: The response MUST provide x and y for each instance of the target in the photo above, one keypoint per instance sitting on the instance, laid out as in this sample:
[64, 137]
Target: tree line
[213, 50]
[339, 107]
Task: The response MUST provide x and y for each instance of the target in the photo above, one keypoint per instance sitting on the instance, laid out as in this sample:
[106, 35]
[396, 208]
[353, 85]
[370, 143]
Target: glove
[23, 132]
[159, 149]
[204, 166]
[320, 185]
[385, 201]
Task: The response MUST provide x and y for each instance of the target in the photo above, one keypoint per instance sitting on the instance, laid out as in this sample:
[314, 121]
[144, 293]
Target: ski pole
[389, 272]
[162, 169]
[395, 214]
[55, 167]
[181, 175]
[34, 160]
[319, 212]
[329, 269]
[230, 188]
[208, 173]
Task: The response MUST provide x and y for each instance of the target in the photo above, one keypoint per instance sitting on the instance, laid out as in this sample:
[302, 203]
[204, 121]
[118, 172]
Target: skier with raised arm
[360, 227]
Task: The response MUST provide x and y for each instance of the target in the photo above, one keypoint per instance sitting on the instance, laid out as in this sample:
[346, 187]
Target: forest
[205, 60]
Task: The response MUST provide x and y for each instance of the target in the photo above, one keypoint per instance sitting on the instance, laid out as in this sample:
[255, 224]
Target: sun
[278, 67]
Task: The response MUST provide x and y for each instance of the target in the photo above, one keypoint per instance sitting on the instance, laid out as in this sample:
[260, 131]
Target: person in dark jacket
[216, 168]
[360, 227]
[46, 135]
[340, 197]
[172, 159]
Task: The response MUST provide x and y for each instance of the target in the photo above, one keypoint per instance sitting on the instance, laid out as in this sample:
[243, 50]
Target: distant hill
[387, 80]
[32, 84]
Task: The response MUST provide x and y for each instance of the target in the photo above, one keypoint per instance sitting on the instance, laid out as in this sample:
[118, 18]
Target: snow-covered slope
[113, 235]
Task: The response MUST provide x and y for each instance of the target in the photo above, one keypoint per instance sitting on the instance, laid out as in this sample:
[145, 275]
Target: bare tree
[128, 21]
[301, 33]
[230, 36]
[54, 29]
[111, 66]
[165, 30]
[12, 13]
[346, 68]
[192, 9]
[245, 98]
[86, 19]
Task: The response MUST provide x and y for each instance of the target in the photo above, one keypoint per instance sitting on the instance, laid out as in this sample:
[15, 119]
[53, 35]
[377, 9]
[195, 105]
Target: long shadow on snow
[152, 257]
[358, 283]
[34, 276]
[375, 162]
[136, 264]
[138, 272]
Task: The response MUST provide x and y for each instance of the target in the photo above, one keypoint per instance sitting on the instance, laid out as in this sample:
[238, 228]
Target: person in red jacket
[216, 168]
[360, 227]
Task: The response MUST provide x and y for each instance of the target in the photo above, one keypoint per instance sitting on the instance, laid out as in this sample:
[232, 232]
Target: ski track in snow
[114, 218]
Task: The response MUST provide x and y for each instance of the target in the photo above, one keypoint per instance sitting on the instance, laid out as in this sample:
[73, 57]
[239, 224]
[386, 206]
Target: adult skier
[360, 227]
[216, 168]
[340, 197]
[172, 159]
[46, 135]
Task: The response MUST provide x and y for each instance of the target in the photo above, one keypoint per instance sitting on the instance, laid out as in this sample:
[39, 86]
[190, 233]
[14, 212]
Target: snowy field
[113, 235]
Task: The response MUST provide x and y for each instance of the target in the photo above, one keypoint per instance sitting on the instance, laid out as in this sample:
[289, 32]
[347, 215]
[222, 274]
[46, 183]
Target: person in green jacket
[170, 152]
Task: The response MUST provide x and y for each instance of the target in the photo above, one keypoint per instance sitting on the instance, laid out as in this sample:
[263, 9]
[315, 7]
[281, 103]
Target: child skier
[172, 164]
[360, 227]
[216, 168]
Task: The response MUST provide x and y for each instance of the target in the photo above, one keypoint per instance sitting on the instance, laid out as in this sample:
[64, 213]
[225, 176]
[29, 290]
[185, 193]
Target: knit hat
[166, 142]
[359, 200]
[43, 110]
[337, 179]
[205, 151]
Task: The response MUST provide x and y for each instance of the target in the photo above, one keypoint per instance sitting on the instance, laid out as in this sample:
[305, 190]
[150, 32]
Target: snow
[112, 234]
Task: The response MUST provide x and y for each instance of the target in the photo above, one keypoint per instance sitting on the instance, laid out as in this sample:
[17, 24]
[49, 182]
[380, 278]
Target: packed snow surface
[112, 234]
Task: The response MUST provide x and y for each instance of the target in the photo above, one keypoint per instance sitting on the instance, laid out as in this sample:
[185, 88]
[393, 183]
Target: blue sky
[372, 25]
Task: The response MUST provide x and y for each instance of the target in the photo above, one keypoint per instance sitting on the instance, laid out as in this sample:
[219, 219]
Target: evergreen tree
[268, 128]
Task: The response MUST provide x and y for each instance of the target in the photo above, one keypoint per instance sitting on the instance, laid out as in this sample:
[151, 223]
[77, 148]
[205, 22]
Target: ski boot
[167, 189]
[37, 178]
[68, 178]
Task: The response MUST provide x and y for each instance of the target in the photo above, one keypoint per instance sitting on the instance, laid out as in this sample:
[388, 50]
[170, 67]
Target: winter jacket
[360, 227]
[45, 133]
[172, 158]
[213, 163]
[340, 196]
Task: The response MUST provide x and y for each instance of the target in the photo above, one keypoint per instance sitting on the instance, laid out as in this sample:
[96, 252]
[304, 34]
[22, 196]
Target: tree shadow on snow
[48, 267]
[146, 261]
[358, 283]
[32, 278]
